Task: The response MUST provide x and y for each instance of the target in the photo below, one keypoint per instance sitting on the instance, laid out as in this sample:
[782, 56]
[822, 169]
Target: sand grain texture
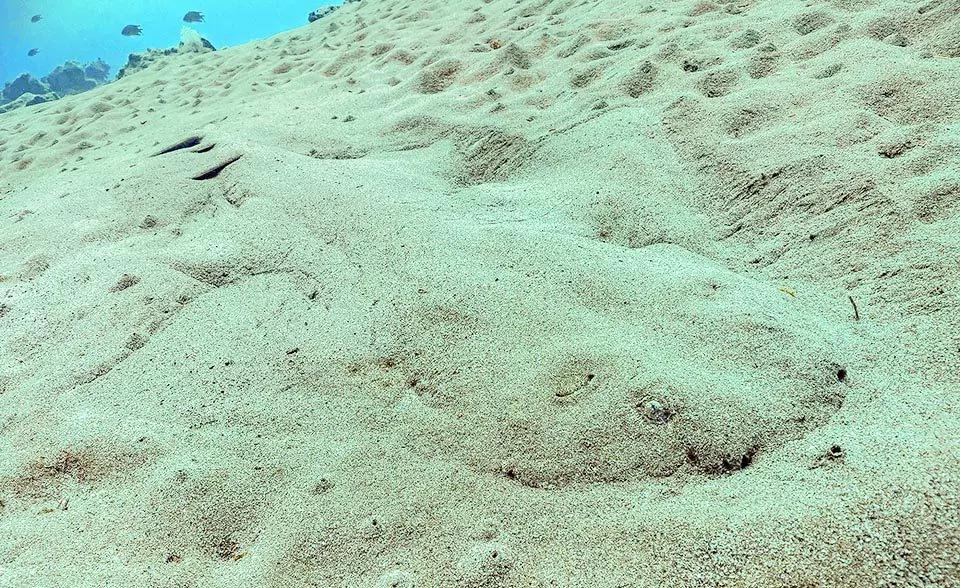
[494, 294]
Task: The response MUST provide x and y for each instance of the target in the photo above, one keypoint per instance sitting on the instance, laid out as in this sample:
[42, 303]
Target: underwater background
[86, 31]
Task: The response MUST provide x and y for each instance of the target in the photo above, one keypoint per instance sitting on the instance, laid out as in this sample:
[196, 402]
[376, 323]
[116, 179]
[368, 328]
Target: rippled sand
[499, 294]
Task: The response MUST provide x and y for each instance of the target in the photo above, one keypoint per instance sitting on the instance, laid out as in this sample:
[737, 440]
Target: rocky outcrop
[140, 61]
[97, 70]
[28, 99]
[24, 84]
[66, 79]
[326, 11]
[73, 78]
[321, 12]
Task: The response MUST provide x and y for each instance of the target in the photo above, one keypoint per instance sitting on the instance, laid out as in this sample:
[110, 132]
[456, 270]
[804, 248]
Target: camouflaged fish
[131, 31]
[193, 16]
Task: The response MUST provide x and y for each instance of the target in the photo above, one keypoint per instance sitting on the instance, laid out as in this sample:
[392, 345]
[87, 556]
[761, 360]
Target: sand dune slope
[494, 294]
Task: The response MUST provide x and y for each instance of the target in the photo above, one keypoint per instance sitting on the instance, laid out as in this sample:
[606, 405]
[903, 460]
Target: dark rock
[24, 84]
[66, 79]
[98, 71]
[28, 99]
[325, 11]
[31, 99]
[69, 78]
[321, 12]
[140, 61]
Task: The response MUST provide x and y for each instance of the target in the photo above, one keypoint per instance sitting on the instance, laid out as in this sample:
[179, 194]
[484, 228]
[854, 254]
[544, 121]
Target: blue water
[85, 30]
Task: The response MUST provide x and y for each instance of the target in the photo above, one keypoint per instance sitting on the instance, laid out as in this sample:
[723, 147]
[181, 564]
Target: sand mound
[508, 294]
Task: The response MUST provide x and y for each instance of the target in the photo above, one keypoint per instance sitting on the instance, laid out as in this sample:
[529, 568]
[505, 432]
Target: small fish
[131, 31]
[36, 18]
[193, 16]
[32, 52]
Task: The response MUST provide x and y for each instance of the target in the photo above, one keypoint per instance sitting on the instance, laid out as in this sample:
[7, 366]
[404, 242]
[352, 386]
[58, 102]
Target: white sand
[497, 294]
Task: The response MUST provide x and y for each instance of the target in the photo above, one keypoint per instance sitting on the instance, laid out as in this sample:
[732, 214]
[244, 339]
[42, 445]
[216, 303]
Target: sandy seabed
[494, 294]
